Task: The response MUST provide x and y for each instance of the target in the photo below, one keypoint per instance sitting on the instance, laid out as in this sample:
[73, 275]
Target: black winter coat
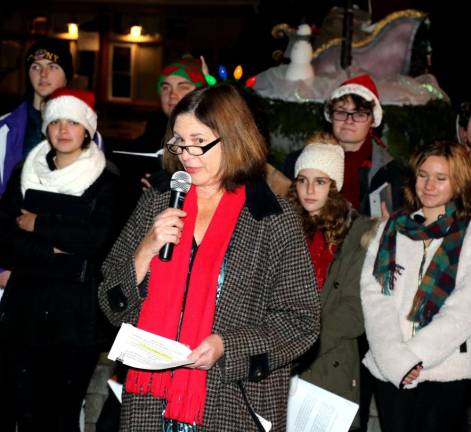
[51, 298]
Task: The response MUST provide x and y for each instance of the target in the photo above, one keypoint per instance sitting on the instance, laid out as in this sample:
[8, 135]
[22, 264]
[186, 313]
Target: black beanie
[55, 50]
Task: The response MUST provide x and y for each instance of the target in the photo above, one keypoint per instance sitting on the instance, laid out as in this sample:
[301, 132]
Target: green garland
[407, 127]
[403, 129]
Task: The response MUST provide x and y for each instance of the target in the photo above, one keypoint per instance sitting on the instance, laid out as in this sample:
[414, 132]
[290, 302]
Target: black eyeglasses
[357, 116]
[177, 149]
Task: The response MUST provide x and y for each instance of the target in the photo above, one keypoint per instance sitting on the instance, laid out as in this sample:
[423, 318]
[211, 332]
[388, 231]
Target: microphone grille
[180, 181]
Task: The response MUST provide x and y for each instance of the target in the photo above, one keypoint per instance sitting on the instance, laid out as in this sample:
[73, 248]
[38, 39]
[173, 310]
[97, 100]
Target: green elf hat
[188, 68]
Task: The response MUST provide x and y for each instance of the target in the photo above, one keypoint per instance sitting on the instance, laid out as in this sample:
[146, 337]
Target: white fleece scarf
[73, 179]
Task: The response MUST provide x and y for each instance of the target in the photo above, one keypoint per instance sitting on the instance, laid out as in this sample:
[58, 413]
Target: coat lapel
[242, 255]
[241, 266]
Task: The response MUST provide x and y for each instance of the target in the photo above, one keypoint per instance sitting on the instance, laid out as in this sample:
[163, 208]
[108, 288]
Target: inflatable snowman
[300, 67]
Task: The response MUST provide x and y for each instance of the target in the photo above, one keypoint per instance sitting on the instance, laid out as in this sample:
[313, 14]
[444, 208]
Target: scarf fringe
[160, 382]
[417, 308]
[387, 283]
[190, 407]
[138, 382]
[422, 310]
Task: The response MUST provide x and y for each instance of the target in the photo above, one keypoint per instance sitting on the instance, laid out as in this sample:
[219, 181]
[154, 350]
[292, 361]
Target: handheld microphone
[180, 184]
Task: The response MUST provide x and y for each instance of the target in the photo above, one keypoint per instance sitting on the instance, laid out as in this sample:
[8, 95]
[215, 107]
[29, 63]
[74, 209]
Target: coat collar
[18, 117]
[260, 200]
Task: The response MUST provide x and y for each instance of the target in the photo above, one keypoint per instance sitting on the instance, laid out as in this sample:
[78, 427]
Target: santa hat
[364, 87]
[71, 104]
[328, 158]
[188, 68]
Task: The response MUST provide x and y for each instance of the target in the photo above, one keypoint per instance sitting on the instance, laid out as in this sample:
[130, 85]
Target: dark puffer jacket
[51, 298]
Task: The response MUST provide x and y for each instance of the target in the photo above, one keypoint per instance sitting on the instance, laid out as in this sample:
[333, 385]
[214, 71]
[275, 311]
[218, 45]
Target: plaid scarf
[439, 280]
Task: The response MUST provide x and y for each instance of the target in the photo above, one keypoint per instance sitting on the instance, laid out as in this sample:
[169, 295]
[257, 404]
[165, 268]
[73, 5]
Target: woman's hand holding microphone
[167, 228]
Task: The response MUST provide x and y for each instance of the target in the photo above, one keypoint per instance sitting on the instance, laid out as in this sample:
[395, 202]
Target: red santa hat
[72, 104]
[363, 86]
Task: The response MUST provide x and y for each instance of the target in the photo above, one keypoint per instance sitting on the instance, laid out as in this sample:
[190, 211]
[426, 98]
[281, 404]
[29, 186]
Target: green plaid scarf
[439, 280]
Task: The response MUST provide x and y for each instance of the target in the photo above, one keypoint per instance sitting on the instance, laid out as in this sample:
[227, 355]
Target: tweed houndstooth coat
[267, 314]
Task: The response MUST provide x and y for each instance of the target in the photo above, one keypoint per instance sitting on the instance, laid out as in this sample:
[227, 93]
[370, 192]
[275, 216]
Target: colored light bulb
[251, 81]
[222, 72]
[210, 79]
[238, 72]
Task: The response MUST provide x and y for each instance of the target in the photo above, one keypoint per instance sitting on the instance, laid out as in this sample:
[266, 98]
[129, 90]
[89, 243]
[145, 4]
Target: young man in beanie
[178, 79]
[175, 81]
[48, 66]
[354, 111]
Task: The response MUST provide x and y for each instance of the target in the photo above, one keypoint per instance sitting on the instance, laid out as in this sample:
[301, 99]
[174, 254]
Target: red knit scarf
[321, 257]
[354, 161]
[184, 388]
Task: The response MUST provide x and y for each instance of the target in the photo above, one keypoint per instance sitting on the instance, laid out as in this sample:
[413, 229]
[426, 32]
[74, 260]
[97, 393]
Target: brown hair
[460, 174]
[333, 218]
[322, 137]
[224, 110]
[359, 103]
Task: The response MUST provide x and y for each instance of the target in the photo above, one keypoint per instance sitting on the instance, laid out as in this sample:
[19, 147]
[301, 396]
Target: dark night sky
[448, 34]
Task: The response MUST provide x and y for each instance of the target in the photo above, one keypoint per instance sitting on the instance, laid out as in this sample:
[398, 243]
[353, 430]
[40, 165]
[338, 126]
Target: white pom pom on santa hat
[71, 104]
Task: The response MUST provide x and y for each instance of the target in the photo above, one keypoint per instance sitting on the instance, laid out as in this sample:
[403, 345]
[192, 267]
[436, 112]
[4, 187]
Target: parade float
[394, 51]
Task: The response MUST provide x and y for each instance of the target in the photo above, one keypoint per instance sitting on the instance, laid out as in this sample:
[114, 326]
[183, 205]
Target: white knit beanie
[71, 104]
[328, 158]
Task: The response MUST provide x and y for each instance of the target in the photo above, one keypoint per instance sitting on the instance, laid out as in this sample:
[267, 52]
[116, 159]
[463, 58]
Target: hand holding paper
[144, 350]
[381, 201]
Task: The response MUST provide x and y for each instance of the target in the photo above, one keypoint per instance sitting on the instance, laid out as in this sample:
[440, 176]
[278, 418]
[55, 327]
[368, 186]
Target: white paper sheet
[143, 350]
[153, 155]
[382, 194]
[116, 388]
[265, 423]
[312, 409]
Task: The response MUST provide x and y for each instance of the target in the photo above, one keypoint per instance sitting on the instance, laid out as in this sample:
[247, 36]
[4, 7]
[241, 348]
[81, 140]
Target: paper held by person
[383, 194]
[156, 154]
[116, 388]
[144, 350]
[311, 408]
